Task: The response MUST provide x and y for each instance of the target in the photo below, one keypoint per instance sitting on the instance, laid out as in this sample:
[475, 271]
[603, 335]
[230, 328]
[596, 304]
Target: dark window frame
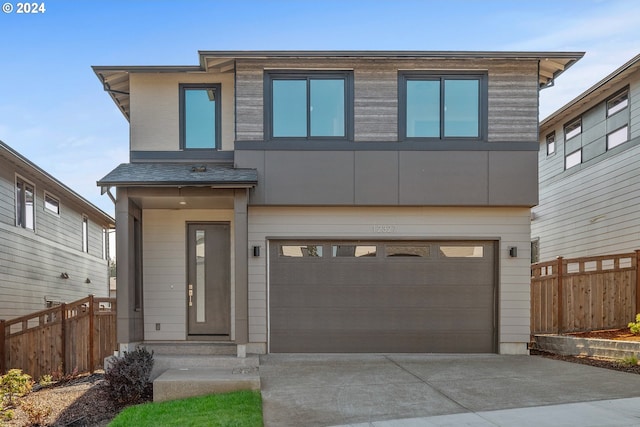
[483, 102]
[571, 154]
[217, 87]
[569, 124]
[21, 203]
[626, 125]
[618, 94]
[551, 141]
[272, 75]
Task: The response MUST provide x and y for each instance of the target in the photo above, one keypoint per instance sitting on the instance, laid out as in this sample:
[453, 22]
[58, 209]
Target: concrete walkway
[443, 390]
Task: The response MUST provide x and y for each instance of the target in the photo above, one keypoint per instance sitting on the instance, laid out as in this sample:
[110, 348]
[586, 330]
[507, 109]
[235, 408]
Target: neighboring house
[589, 176]
[329, 201]
[53, 245]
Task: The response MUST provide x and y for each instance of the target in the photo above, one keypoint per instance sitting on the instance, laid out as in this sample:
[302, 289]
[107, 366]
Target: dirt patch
[82, 401]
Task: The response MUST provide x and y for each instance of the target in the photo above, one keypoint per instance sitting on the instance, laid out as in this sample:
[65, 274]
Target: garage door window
[300, 251]
[422, 251]
[356, 251]
[462, 251]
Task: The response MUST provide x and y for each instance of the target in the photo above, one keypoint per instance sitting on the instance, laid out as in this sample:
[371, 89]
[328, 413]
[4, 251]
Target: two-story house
[53, 242]
[589, 177]
[329, 201]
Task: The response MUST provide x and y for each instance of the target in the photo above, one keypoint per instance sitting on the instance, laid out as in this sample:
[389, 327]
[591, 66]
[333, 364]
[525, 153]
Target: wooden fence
[68, 337]
[584, 294]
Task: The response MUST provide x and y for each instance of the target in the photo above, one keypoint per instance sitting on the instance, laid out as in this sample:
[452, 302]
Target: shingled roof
[179, 174]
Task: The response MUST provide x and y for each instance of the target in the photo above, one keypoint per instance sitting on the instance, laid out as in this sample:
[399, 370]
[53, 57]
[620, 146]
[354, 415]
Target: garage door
[343, 297]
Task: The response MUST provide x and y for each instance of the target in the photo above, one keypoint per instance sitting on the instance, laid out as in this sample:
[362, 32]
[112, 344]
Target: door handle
[190, 295]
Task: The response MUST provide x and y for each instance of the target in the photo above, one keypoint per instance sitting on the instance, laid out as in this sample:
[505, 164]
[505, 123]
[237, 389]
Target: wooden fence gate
[584, 294]
[73, 336]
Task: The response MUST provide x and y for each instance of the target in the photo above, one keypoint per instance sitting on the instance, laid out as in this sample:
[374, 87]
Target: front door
[208, 281]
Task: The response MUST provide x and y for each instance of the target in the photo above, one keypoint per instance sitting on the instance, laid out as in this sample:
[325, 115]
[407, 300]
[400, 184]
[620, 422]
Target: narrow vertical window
[551, 143]
[200, 116]
[85, 234]
[25, 214]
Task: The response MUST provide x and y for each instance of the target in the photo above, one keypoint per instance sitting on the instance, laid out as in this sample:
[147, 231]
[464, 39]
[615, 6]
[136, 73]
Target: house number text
[384, 228]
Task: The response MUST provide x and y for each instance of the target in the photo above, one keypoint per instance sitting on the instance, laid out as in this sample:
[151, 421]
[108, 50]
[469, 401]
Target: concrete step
[164, 362]
[181, 383]
[200, 348]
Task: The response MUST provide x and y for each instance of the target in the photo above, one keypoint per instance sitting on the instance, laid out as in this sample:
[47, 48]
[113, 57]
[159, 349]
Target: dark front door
[208, 281]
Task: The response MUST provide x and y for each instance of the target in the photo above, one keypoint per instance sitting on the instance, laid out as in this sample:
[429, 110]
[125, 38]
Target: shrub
[634, 327]
[128, 377]
[37, 414]
[46, 380]
[13, 385]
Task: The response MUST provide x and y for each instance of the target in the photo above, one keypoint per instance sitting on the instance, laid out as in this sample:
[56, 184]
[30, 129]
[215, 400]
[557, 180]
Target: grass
[237, 409]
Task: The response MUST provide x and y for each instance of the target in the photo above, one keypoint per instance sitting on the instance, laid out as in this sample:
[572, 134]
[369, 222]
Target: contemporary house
[589, 177]
[329, 201]
[53, 242]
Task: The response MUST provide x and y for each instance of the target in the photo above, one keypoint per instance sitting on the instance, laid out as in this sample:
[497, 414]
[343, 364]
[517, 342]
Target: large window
[442, 106]
[200, 116]
[25, 213]
[309, 106]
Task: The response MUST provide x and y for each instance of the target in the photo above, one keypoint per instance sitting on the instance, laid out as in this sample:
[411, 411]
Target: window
[300, 251]
[462, 251]
[85, 234]
[535, 250]
[442, 107]
[420, 251]
[618, 103]
[309, 106]
[51, 204]
[573, 129]
[25, 214]
[551, 144]
[353, 251]
[200, 116]
[573, 159]
[617, 137]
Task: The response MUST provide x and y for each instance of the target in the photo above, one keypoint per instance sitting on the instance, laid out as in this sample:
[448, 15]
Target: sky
[54, 111]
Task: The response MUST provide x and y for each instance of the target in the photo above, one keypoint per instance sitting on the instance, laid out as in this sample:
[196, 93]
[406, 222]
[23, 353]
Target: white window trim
[85, 238]
[15, 199]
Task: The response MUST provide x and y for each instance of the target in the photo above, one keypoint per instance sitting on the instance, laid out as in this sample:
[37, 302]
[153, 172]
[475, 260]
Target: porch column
[241, 265]
[129, 317]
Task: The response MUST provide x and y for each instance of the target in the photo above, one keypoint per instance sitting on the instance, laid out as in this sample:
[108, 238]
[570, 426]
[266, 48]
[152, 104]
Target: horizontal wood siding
[513, 94]
[30, 268]
[509, 225]
[164, 268]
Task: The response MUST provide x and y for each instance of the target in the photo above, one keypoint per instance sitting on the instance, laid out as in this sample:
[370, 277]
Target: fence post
[92, 313]
[560, 268]
[63, 335]
[2, 348]
[637, 308]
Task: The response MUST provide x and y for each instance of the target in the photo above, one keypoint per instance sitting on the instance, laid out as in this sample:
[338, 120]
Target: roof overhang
[178, 175]
[20, 161]
[594, 93]
[115, 79]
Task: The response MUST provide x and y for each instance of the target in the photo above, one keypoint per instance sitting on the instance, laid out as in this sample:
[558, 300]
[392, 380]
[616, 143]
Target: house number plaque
[384, 228]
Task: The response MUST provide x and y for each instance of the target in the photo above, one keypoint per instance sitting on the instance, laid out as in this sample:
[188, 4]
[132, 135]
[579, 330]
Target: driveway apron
[325, 390]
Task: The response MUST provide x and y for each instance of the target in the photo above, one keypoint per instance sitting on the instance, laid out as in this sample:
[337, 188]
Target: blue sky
[53, 109]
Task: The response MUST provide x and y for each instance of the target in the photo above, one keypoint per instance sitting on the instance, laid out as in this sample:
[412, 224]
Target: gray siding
[405, 178]
[31, 261]
[30, 268]
[513, 94]
[593, 208]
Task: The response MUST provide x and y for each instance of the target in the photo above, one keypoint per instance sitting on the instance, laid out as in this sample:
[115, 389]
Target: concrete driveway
[418, 390]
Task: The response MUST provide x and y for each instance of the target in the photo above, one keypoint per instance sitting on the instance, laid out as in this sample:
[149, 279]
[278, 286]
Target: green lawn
[237, 409]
